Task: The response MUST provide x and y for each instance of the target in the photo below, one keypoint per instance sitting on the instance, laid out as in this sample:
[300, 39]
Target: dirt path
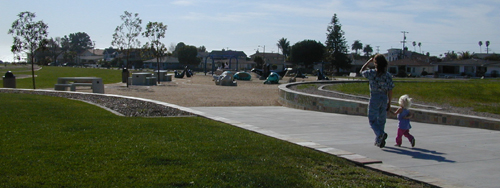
[200, 90]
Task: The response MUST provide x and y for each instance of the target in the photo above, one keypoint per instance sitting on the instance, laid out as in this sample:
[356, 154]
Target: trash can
[9, 80]
[124, 75]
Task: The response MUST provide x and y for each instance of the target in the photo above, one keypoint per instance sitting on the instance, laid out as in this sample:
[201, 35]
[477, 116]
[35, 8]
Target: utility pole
[404, 39]
[404, 42]
[264, 53]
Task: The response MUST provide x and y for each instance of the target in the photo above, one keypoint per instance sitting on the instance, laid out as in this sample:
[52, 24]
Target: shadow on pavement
[419, 153]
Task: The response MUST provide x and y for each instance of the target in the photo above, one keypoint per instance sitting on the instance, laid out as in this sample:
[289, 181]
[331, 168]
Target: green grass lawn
[57, 142]
[480, 95]
[47, 76]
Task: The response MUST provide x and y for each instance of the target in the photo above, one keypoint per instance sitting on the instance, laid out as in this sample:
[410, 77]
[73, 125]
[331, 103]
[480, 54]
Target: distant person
[403, 113]
[381, 86]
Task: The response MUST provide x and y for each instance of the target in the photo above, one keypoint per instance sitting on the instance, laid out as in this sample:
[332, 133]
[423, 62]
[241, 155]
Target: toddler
[404, 115]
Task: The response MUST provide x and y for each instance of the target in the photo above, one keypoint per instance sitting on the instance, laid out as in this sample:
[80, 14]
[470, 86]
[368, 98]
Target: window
[393, 70]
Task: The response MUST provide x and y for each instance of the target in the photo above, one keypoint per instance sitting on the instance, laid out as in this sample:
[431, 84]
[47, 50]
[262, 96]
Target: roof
[109, 50]
[165, 59]
[266, 55]
[98, 57]
[470, 62]
[483, 55]
[202, 54]
[227, 54]
[409, 62]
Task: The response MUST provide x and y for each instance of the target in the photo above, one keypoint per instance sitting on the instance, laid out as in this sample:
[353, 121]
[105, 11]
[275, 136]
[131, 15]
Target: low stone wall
[305, 101]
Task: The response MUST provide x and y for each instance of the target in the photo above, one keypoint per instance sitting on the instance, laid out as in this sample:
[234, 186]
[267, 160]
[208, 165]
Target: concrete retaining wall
[295, 99]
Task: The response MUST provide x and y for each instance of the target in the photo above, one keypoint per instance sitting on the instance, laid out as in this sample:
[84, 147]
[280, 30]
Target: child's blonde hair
[405, 101]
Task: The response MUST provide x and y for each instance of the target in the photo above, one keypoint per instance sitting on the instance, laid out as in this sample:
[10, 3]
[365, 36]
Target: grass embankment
[57, 142]
[478, 94]
[47, 76]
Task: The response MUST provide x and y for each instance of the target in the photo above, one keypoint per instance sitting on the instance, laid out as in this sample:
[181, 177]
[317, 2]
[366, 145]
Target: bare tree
[28, 37]
[57, 47]
[125, 36]
[155, 31]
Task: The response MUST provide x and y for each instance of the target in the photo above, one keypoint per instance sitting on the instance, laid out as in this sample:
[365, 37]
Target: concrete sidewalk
[446, 156]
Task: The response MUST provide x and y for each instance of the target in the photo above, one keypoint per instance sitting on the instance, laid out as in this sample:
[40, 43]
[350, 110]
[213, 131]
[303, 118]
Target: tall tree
[57, 47]
[179, 45]
[464, 55]
[480, 44]
[284, 45]
[80, 42]
[202, 49]
[307, 52]
[155, 31]
[126, 35]
[414, 44]
[450, 56]
[357, 45]
[368, 50]
[187, 55]
[336, 45]
[28, 37]
[420, 46]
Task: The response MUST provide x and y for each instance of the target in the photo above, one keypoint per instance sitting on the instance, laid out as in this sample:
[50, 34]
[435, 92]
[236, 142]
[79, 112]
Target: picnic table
[72, 82]
[143, 78]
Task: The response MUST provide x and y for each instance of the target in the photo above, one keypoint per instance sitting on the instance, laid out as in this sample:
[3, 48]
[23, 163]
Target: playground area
[200, 90]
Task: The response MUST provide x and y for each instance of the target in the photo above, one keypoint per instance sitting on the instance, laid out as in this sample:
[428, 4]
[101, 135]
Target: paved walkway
[446, 156]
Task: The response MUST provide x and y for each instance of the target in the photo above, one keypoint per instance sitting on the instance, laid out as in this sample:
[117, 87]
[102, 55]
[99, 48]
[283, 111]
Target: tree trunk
[33, 70]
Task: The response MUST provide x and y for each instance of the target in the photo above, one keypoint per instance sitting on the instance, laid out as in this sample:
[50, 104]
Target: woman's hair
[405, 101]
[381, 64]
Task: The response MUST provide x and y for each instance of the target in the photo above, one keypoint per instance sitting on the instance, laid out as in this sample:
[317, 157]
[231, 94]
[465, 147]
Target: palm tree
[487, 44]
[284, 45]
[357, 46]
[414, 44]
[419, 46]
[464, 55]
[368, 50]
[480, 44]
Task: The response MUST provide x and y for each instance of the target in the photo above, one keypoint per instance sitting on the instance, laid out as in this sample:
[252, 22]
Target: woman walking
[381, 86]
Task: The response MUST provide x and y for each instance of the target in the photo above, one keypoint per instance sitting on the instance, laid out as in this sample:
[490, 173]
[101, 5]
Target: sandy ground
[200, 90]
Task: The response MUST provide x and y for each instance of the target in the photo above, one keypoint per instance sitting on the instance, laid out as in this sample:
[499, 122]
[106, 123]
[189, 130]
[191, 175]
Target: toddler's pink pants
[406, 133]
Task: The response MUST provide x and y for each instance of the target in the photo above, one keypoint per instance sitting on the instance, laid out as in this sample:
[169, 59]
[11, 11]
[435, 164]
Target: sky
[440, 26]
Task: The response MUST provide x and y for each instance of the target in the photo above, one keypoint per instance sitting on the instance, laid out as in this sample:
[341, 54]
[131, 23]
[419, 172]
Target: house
[225, 59]
[395, 54]
[109, 54]
[274, 59]
[413, 64]
[90, 57]
[468, 67]
[411, 67]
[166, 63]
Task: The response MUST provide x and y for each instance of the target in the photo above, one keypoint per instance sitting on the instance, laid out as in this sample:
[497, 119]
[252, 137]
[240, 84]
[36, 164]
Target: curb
[305, 101]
